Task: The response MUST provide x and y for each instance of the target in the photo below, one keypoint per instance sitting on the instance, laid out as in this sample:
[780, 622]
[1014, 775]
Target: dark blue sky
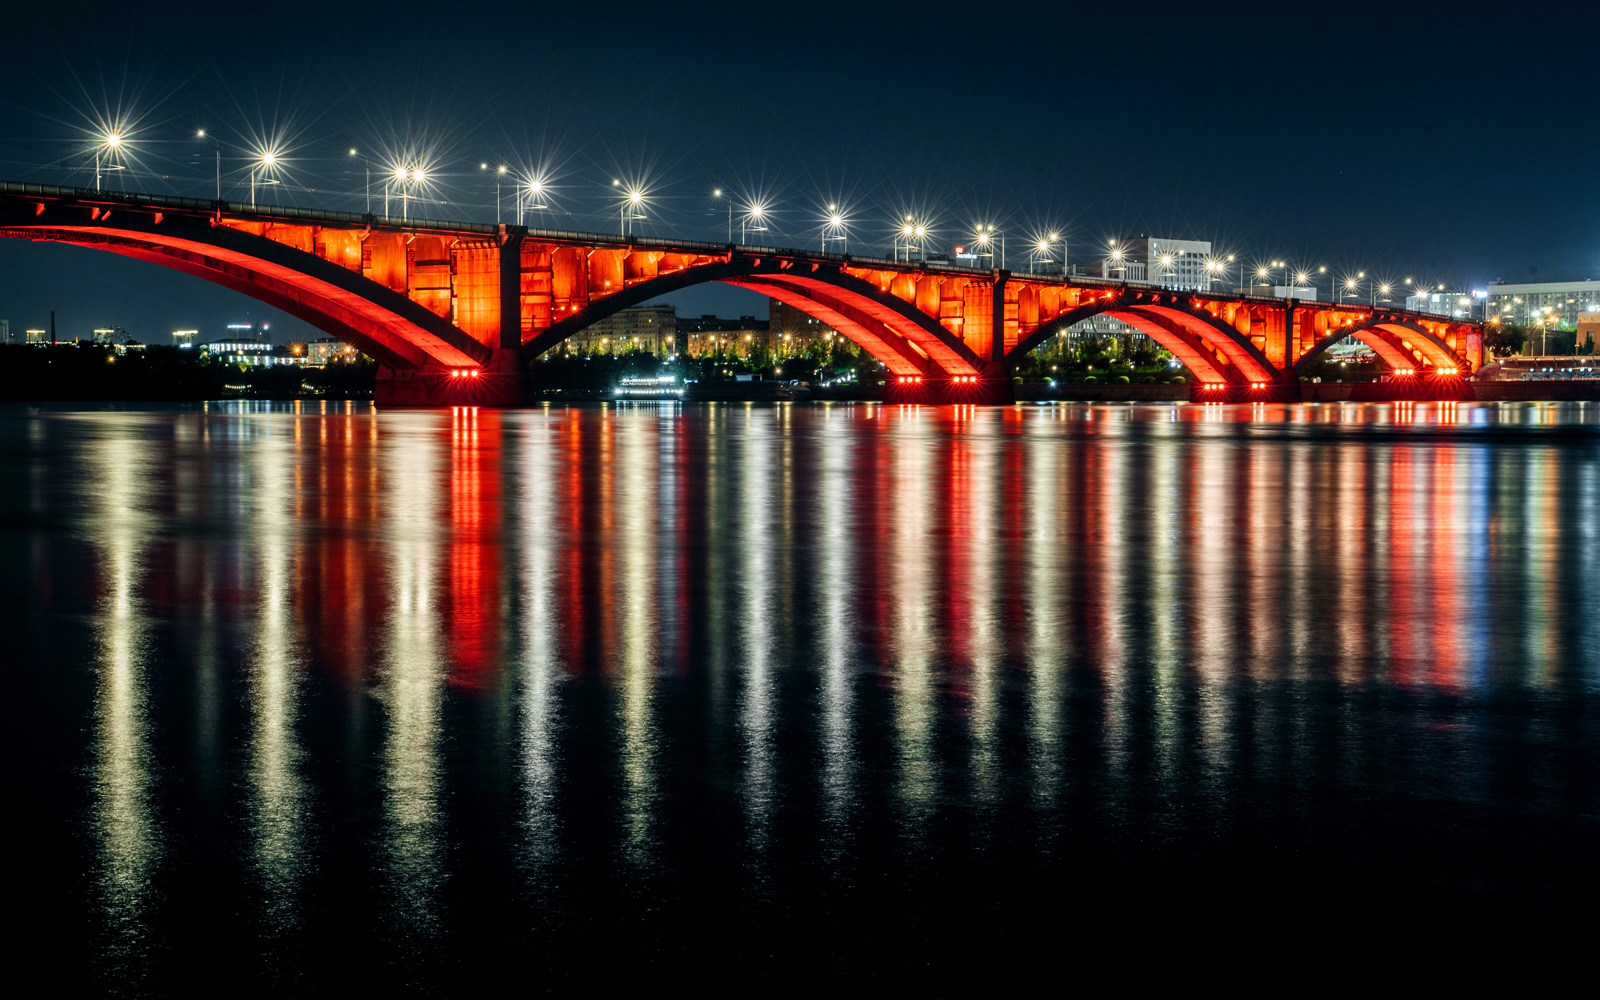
[1388, 139]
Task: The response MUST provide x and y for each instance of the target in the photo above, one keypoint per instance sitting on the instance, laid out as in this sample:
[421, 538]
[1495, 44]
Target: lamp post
[499, 174]
[403, 178]
[535, 192]
[632, 202]
[910, 230]
[835, 224]
[752, 218]
[201, 134]
[266, 161]
[366, 166]
[110, 143]
[1166, 261]
[985, 238]
[1041, 251]
[717, 193]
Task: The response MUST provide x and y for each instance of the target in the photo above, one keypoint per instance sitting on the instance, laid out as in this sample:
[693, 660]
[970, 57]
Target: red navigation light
[473, 373]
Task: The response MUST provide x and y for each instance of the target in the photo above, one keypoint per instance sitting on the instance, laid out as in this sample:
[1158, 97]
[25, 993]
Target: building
[325, 349]
[791, 331]
[1111, 270]
[1304, 293]
[1160, 261]
[710, 334]
[642, 328]
[1554, 304]
[38, 337]
[5, 331]
[1588, 331]
[1441, 302]
[254, 353]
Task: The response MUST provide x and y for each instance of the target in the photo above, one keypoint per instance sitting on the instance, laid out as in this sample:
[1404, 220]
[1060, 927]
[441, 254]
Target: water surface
[300, 695]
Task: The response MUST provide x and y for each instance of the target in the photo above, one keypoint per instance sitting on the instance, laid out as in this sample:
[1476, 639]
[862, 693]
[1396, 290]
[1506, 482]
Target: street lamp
[265, 161]
[835, 229]
[910, 230]
[752, 218]
[1166, 260]
[535, 193]
[499, 175]
[201, 134]
[1041, 251]
[404, 178]
[366, 166]
[108, 143]
[985, 238]
[631, 209]
[717, 193]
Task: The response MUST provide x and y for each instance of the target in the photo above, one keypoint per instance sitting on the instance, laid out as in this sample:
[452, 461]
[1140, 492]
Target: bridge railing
[291, 214]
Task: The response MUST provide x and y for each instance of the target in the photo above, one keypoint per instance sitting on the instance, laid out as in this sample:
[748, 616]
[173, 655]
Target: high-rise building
[1548, 304]
[5, 331]
[1443, 302]
[1165, 262]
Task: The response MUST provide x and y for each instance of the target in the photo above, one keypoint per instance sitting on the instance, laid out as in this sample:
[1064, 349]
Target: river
[304, 695]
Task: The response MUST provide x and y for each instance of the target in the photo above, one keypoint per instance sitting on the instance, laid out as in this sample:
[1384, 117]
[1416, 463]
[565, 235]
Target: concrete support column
[511, 238]
[997, 347]
[1285, 373]
[502, 381]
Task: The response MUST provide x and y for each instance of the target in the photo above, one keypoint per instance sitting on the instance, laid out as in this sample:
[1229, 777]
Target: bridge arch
[888, 328]
[381, 323]
[1384, 335]
[1176, 325]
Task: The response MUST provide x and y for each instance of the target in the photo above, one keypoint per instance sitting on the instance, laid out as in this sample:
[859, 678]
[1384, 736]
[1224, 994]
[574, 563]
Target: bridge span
[452, 312]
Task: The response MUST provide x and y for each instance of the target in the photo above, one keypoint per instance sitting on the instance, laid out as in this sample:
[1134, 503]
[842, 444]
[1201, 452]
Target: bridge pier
[991, 387]
[1243, 392]
[500, 382]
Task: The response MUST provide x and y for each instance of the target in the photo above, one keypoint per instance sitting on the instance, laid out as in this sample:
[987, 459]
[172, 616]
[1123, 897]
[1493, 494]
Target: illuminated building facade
[326, 349]
[1159, 261]
[1443, 302]
[642, 328]
[1553, 304]
[254, 353]
[791, 331]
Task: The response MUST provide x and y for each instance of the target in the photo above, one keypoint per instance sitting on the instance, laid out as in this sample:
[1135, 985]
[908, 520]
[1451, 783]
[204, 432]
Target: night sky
[1387, 139]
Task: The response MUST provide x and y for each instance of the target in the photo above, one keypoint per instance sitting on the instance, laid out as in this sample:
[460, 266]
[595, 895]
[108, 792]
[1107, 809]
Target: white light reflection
[634, 516]
[128, 840]
[838, 623]
[980, 441]
[540, 672]
[411, 671]
[278, 794]
[1047, 510]
[912, 624]
[755, 581]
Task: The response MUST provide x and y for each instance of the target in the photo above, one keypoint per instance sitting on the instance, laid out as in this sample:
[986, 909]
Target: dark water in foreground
[296, 699]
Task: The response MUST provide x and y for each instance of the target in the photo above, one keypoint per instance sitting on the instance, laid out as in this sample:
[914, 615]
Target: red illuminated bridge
[453, 311]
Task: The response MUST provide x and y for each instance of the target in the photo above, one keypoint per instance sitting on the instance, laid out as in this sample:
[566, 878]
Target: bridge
[453, 312]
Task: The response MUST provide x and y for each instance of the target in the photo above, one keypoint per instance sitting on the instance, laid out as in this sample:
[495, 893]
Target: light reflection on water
[128, 837]
[525, 661]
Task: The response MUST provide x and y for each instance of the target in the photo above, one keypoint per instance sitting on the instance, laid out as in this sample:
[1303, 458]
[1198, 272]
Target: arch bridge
[452, 312]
